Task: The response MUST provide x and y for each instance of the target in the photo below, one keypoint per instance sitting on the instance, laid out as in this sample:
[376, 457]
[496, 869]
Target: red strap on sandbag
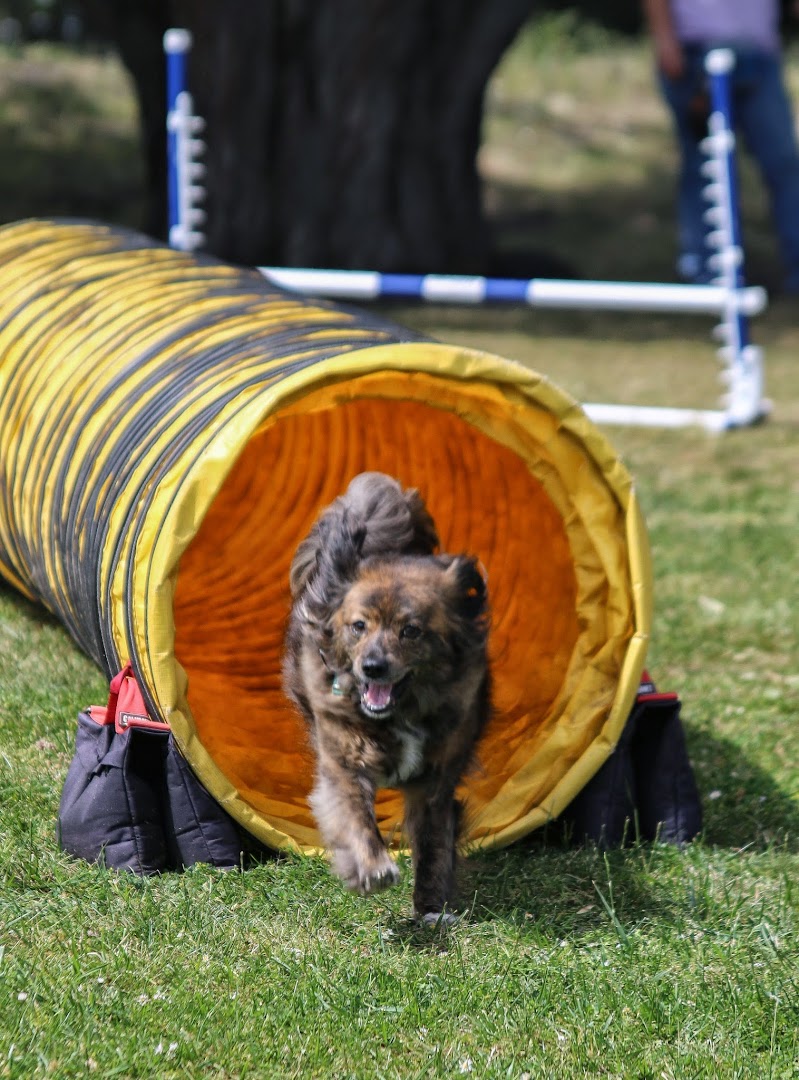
[647, 691]
[126, 708]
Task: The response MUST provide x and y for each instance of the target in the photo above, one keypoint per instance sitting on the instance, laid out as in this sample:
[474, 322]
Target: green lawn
[647, 963]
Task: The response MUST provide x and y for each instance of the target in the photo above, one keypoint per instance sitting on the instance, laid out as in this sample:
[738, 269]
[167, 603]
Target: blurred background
[514, 138]
[504, 138]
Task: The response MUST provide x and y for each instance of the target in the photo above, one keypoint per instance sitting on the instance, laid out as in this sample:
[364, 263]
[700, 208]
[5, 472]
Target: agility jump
[741, 361]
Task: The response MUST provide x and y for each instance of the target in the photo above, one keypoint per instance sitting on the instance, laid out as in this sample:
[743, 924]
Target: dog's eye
[411, 631]
[358, 627]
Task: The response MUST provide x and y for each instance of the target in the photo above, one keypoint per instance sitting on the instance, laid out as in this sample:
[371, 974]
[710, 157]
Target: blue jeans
[762, 114]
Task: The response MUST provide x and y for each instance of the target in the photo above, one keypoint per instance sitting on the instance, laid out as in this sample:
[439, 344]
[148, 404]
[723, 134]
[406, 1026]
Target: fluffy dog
[386, 659]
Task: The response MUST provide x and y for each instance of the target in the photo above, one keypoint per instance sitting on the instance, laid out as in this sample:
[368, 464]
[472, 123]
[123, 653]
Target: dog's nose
[375, 667]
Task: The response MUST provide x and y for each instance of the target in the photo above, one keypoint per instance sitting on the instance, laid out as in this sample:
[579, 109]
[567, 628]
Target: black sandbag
[111, 803]
[646, 790]
[130, 800]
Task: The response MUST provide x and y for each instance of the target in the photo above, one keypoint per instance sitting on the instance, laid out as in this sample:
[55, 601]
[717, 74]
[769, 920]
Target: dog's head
[405, 628]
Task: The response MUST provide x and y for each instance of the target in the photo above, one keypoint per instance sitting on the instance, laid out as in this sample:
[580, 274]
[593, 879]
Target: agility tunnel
[170, 427]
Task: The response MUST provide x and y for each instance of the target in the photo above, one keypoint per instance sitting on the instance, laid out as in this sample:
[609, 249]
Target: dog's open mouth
[379, 698]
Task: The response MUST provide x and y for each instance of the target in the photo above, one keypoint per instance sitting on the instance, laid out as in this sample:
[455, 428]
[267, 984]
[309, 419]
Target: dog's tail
[386, 520]
[396, 521]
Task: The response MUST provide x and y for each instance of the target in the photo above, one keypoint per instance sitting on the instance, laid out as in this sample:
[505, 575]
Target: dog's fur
[386, 659]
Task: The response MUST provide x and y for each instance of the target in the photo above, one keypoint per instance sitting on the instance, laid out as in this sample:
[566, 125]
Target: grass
[646, 963]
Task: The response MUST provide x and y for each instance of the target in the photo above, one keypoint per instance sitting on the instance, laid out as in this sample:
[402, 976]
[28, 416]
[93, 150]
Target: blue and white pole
[535, 292]
[742, 362]
[184, 171]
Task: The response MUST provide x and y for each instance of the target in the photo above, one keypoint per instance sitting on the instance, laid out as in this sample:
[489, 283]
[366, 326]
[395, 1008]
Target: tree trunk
[339, 133]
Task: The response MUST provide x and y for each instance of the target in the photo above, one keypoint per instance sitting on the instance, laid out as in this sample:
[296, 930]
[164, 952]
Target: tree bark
[339, 133]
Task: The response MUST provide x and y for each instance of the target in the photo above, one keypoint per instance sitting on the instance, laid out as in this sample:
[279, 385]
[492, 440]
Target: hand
[670, 56]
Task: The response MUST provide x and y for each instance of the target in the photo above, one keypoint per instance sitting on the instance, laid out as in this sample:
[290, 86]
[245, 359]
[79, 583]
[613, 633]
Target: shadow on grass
[556, 891]
[744, 808]
[567, 889]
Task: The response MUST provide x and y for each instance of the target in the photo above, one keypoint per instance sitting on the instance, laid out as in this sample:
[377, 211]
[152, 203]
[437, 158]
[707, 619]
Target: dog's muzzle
[379, 698]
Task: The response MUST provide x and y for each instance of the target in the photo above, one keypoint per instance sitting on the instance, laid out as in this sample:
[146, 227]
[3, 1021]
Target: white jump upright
[727, 296]
[185, 170]
[742, 361]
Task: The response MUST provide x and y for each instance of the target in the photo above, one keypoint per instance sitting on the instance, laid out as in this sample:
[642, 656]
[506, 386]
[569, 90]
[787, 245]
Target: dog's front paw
[365, 875]
[437, 919]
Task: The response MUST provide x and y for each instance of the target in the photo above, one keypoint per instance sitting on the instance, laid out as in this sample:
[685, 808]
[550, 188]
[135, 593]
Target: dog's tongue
[378, 695]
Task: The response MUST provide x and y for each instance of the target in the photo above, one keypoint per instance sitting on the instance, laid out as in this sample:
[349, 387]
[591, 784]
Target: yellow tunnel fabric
[170, 426]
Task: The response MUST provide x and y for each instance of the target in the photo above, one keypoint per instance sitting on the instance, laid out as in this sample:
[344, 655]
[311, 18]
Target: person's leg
[766, 120]
[684, 98]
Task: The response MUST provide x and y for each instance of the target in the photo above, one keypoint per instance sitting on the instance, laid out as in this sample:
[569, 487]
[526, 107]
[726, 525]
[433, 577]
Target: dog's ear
[468, 581]
[343, 551]
[334, 533]
[336, 567]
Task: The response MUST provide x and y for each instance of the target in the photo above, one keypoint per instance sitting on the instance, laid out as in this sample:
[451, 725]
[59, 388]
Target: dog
[386, 659]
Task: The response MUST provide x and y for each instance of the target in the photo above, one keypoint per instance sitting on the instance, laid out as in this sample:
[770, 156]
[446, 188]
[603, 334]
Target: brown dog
[386, 659]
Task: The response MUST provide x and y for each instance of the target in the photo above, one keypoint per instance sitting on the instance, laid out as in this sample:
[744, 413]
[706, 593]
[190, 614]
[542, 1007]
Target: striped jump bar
[536, 292]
